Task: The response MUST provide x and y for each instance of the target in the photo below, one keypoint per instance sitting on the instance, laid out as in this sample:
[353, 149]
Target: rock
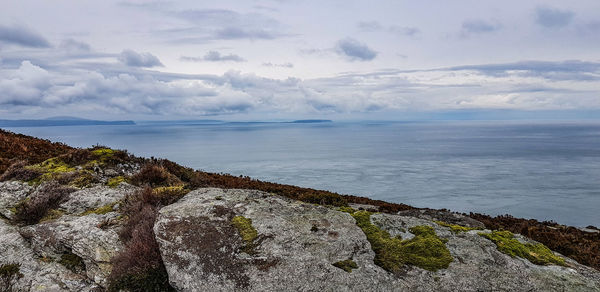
[38, 275]
[202, 250]
[11, 193]
[298, 243]
[79, 235]
[95, 197]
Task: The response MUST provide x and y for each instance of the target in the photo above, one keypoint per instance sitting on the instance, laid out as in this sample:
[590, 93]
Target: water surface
[542, 170]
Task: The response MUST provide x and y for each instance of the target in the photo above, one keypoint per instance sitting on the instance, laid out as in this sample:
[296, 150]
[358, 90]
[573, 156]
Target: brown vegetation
[584, 247]
[49, 197]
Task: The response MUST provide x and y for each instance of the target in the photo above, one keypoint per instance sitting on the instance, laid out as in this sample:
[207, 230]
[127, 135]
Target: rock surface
[298, 244]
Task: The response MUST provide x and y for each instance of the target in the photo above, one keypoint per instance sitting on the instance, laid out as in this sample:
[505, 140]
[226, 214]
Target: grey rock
[298, 243]
[94, 197]
[83, 236]
[38, 275]
[11, 193]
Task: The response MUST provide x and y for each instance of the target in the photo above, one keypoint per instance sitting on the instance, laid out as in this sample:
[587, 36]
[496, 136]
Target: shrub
[323, 199]
[154, 175]
[139, 266]
[48, 197]
[9, 275]
[17, 171]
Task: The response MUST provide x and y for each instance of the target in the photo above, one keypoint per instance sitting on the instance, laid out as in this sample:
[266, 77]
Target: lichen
[52, 215]
[246, 231]
[115, 181]
[100, 210]
[425, 250]
[536, 253]
[346, 265]
[456, 228]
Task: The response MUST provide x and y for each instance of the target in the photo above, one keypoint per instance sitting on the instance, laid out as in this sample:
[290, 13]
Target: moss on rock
[347, 265]
[100, 210]
[72, 262]
[52, 215]
[115, 181]
[425, 250]
[456, 228]
[536, 253]
[246, 231]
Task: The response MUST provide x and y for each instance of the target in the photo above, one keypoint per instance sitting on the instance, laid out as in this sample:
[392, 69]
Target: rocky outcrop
[299, 246]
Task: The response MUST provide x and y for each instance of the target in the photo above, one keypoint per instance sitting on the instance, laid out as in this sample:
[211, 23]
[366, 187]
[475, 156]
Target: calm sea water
[542, 170]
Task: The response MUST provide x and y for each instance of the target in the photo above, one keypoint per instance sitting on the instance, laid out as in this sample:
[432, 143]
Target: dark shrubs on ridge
[49, 197]
[17, 171]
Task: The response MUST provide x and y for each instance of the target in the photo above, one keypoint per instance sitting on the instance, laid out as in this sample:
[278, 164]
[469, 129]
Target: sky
[284, 59]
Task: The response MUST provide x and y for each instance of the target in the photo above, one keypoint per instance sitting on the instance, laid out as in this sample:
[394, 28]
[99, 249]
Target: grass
[425, 250]
[9, 275]
[537, 253]
[100, 210]
[115, 181]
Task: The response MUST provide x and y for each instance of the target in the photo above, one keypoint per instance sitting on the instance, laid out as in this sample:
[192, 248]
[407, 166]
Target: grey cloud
[355, 50]
[478, 26]
[283, 65]
[375, 26]
[565, 70]
[553, 18]
[22, 36]
[72, 45]
[233, 33]
[214, 56]
[135, 59]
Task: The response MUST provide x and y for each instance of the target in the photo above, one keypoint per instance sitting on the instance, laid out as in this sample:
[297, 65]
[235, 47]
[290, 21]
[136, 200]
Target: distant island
[60, 121]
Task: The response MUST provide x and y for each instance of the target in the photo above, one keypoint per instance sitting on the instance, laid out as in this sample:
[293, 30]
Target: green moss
[115, 181]
[50, 169]
[247, 232]
[100, 210]
[425, 250]
[72, 262]
[104, 152]
[456, 228]
[536, 253]
[52, 215]
[346, 209]
[347, 265]
[83, 180]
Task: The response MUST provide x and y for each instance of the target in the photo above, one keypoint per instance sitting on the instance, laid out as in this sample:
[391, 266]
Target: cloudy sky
[278, 59]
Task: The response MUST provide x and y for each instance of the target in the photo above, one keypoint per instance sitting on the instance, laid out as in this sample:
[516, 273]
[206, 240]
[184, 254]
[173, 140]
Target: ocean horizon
[546, 170]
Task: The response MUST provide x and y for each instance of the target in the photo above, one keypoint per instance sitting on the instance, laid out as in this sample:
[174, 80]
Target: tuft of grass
[72, 262]
[52, 215]
[115, 181]
[154, 175]
[100, 210]
[346, 209]
[456, 228]
[9, 275]
[347, 265]
[425, 250]
[537, 253]
[246, 231]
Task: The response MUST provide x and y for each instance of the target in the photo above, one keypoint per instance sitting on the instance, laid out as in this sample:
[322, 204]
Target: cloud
[214, 56]
[134, 59]
[282, 65]
[553, 18]
[355, 50]
[564, 70]
[223, 24]
[72, 45]
[22, 36]
[375, 26]
[478, 26]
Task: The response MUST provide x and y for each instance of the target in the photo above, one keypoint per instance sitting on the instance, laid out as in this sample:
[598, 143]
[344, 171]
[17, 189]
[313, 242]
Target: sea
[546, 170]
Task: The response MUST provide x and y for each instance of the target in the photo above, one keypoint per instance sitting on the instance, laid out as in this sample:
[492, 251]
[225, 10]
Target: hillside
[88, 219]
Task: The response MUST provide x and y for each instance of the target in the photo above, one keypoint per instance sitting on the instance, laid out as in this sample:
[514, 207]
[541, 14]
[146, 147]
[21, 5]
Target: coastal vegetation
[538, 253]
[60, 170]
